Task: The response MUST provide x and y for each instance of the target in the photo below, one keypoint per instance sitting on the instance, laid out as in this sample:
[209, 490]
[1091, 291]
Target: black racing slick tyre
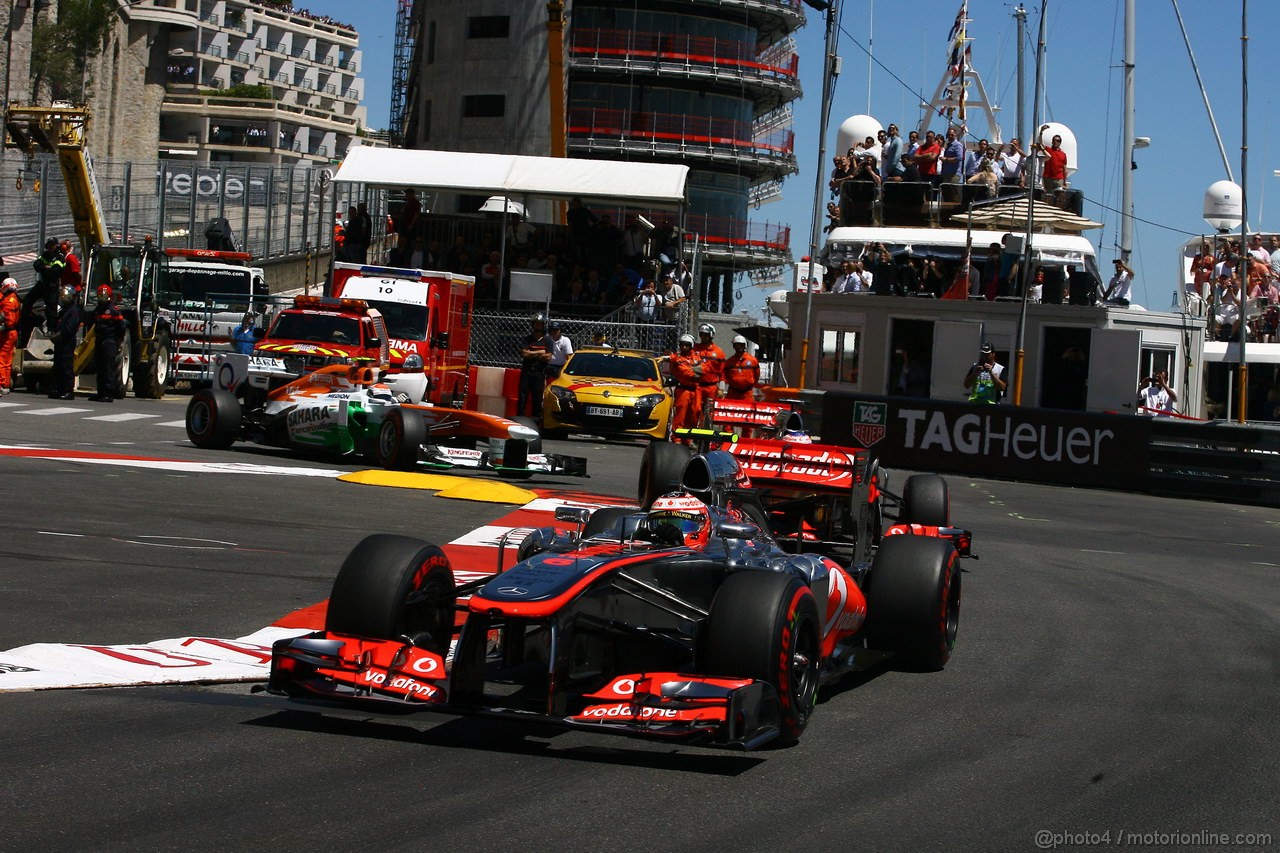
[661, 468]
[394, 587]
[399, 441]
[152, 377]
[213, 419]
[913, 599]
[764, 625]
[925, 501]
[535, 446]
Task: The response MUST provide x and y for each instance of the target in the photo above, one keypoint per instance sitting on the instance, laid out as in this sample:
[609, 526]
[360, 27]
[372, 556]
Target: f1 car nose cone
[520, 431]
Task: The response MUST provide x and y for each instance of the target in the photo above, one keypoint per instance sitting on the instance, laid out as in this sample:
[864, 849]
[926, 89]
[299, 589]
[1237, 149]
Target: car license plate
[604, 411]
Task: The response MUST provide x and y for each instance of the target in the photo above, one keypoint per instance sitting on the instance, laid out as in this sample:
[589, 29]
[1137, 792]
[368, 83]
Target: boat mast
[1126, 185]
[1242, 394]
[1020, 129]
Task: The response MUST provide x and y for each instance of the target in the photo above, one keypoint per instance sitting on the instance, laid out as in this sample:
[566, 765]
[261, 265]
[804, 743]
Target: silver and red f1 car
[683, 621]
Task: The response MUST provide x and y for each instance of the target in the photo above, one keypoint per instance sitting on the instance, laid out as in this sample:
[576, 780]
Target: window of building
[424, 122]
[839, 355]
[489, 27]
[484, 106]
[431, 42]
[1155, 359]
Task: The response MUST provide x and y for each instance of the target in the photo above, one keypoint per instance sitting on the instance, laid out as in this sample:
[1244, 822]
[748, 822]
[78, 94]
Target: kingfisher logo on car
[869, 421]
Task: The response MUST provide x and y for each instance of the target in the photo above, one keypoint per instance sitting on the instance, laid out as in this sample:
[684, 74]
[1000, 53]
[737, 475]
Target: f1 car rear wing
[786, 465]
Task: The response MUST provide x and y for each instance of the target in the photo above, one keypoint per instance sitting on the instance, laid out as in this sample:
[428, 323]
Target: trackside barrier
[1216, 461]
[1239, 463]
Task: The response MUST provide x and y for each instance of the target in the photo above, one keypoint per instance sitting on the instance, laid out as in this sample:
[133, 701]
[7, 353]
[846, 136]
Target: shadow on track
[491, 736]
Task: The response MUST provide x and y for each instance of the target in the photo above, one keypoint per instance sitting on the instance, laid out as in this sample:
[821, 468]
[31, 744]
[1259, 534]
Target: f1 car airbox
[710, 472]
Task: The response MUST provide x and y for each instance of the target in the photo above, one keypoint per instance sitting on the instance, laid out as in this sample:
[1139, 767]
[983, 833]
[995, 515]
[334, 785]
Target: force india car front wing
[726, 712]
[445, 457]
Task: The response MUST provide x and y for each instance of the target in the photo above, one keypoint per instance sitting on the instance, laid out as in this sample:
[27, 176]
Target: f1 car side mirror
[576, 514]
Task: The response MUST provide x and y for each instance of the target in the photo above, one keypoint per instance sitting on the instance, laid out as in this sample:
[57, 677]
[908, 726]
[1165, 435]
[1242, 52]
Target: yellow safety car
[609, 392]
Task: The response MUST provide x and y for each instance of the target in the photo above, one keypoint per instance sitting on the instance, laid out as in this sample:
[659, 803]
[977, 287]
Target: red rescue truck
[427, 314]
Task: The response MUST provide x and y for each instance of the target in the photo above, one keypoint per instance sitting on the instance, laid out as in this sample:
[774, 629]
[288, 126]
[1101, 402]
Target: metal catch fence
[496, 336]
[273, 211]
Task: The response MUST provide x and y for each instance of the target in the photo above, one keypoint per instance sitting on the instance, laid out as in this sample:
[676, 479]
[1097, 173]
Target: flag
[958, 25]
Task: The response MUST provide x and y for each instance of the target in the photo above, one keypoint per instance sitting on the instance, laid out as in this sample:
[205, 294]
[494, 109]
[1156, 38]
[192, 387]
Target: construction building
[704, 83]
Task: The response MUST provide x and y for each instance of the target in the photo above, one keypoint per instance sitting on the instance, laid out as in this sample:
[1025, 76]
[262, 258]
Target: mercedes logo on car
[513, 590]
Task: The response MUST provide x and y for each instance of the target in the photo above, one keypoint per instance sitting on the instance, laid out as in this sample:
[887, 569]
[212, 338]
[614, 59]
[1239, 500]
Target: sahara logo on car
[869, 422]
[312, 419]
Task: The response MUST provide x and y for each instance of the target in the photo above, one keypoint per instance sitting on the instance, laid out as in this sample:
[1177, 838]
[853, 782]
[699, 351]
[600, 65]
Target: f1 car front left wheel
[394, 587]
[399, 441]
[913, 599]
[661, 468]
[213, 419]
[764, 625]
[925, 501]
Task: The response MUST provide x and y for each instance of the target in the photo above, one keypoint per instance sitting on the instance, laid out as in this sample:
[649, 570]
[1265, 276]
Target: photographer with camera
[1155, 397]
[985, 379]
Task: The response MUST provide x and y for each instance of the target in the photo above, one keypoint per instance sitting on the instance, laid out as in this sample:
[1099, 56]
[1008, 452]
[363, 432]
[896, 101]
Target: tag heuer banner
[1041, 445]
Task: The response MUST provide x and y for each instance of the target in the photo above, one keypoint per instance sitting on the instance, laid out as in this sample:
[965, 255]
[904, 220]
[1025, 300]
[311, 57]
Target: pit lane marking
[1024, 518]
[1096, 551]
[182, 424]
[210, 547]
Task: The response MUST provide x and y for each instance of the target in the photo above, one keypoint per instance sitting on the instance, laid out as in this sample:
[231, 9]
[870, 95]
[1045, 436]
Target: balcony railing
[663, 49]
[725, 232]
[212, 50]
[680, 131]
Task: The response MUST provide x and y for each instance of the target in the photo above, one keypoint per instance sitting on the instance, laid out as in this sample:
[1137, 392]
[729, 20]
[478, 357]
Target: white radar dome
[1068, 142]
[1223, 205]
[777, 302]
[855, 129]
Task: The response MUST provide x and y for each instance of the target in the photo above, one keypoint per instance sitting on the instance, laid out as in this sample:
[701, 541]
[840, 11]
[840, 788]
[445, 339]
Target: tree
[61, 50]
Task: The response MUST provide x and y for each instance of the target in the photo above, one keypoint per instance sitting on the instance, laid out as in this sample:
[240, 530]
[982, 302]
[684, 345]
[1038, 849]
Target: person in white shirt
[1121, 283]
[1155, 397]
[561, 349]
[1256, 249]
[1010, 163]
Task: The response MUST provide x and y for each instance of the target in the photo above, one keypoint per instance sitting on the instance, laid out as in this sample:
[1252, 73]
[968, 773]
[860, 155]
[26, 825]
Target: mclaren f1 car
[685, 622]
[357, 410]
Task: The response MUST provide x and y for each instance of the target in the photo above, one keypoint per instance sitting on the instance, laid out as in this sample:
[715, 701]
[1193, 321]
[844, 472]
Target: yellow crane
[135, 273]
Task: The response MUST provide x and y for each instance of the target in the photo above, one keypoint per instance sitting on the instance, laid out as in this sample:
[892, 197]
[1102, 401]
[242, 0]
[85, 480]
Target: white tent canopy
[649, 184]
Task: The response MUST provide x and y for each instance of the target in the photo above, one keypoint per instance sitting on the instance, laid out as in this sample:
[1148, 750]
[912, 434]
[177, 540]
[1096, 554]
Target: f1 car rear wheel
[913, 599]
[764, 625]
[399, 440]
[213, 419]
[925, 501]
[392, 587]
[661, 469]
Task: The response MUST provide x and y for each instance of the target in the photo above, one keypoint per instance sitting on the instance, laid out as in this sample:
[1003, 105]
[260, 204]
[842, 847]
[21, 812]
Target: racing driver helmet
[104, 292]
[9, 285]
[682, 517]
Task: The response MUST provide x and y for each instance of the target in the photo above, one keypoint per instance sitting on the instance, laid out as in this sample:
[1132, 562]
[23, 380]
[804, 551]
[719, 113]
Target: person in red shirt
[1054, 179]
[741, 372]
[926, 158]
[686, 369]
[712, 361]
[70, 275]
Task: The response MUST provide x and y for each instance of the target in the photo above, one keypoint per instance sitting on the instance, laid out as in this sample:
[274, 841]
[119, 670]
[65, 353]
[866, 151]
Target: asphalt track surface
[1116, 672]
